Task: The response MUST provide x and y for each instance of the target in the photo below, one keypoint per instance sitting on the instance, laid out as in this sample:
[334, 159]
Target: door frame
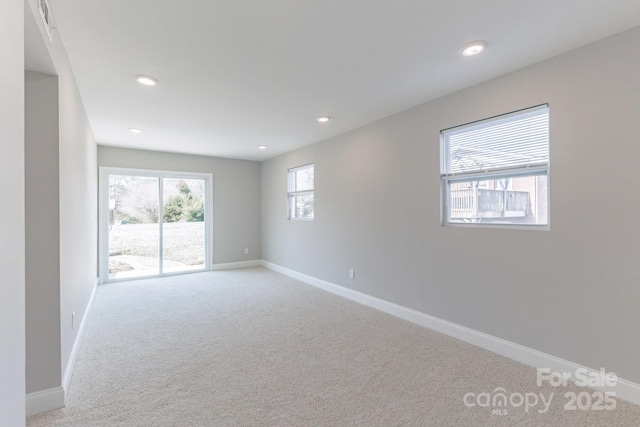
[103, 216]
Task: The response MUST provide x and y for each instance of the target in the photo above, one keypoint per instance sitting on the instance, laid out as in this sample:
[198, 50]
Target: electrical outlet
[73, 320]
[352, 274]
[246, 251]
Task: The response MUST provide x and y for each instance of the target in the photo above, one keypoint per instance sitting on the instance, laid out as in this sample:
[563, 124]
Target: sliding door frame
[103, 217]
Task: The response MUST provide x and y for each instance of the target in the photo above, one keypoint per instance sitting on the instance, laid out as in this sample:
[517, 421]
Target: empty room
[285, 213]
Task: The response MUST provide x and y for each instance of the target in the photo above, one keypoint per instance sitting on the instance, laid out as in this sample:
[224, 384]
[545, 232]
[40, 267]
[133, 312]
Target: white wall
[571, 292]
[236, 195]
[12, 228]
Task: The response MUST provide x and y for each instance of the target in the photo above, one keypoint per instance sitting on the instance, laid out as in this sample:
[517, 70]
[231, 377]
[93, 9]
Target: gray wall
[571, 292]
[42, 232]
[78, 211]
[236, 195]
[12, 222]
[77, 197]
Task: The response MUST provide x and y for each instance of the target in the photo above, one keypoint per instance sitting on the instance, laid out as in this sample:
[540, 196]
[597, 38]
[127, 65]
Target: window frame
[104, 207]
[532, 169]
[292, 194]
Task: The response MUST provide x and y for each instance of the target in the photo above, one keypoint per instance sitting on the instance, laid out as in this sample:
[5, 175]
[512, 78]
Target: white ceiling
[234, 74]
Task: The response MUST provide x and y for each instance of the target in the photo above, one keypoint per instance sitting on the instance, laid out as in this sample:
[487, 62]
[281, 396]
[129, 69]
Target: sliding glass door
[153, 223]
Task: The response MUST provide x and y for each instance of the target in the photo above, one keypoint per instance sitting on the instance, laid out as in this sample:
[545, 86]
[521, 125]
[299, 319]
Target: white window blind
[301, 192]
[301, 179]
[513, 141]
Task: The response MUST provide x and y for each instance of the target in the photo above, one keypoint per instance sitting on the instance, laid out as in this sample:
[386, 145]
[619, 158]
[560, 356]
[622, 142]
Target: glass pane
[134, 231]
[303, 206]
[304, 179]
[508, 200]
[183, 246]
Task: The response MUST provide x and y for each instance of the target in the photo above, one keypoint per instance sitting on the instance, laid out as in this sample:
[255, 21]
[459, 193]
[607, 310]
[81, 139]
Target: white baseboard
[625, 390]
[44, 400]
[236, 265]
[66, 380]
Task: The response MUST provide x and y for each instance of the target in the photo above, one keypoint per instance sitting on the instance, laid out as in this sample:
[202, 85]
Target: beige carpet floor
[254, 348]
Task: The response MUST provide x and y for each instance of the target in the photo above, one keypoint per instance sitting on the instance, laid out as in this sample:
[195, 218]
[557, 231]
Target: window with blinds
[495, 171]
[301, 192]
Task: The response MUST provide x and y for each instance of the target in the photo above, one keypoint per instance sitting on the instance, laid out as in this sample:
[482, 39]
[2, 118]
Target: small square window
[495, 171]
[300, 192]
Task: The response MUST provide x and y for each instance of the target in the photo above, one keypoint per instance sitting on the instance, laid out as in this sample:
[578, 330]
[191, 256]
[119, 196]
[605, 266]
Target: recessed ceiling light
[473, 48]
[323, 119]
[262, 147]
[146, 80]
[135, 130]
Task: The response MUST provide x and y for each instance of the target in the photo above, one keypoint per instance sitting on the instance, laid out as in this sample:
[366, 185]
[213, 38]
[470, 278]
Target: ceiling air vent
[45, 14]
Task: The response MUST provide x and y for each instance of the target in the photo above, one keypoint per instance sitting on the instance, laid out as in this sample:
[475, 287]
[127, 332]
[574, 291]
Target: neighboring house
[511, 200]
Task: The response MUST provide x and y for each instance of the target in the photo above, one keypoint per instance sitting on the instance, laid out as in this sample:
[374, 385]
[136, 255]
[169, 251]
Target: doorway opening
[153, 223]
